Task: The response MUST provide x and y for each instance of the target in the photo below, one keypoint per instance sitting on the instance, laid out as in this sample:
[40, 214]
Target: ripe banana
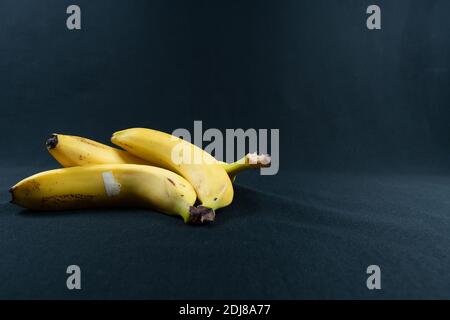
[111, 185]
[71, 151]
[209, 179]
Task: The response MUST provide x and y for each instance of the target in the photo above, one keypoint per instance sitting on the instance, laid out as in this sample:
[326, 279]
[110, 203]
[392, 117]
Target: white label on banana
[112, 187]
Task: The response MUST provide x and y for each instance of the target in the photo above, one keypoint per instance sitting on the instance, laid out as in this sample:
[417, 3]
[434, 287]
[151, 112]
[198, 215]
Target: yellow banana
[209, 179]
[71, 151]
[111, 185]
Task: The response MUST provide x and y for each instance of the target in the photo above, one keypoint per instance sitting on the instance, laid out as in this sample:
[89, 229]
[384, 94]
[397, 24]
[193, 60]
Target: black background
[364, 145]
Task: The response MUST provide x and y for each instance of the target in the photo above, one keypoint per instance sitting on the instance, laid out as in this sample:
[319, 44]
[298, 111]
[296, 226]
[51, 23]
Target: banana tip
[201, 215]
[11, 190]
[52, 141]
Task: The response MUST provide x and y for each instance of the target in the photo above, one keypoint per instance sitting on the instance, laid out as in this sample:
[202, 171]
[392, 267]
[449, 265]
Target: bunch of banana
[143, 175]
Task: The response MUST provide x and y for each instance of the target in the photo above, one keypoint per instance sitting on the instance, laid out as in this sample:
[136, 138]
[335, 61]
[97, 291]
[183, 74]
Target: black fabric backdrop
[364, 145]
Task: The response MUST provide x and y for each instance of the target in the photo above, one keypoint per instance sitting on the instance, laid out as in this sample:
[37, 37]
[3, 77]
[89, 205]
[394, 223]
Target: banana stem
[200, 215]
[249, 161]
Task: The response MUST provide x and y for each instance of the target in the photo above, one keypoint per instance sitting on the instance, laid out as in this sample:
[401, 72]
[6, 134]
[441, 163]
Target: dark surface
[364, 128]
[311, 239]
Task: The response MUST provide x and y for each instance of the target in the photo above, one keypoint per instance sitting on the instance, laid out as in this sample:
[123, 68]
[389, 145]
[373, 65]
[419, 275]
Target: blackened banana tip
[201, 215]
[52, 141]
[11, 190]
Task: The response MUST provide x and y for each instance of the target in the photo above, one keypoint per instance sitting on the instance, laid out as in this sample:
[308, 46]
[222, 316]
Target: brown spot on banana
[66, 198]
